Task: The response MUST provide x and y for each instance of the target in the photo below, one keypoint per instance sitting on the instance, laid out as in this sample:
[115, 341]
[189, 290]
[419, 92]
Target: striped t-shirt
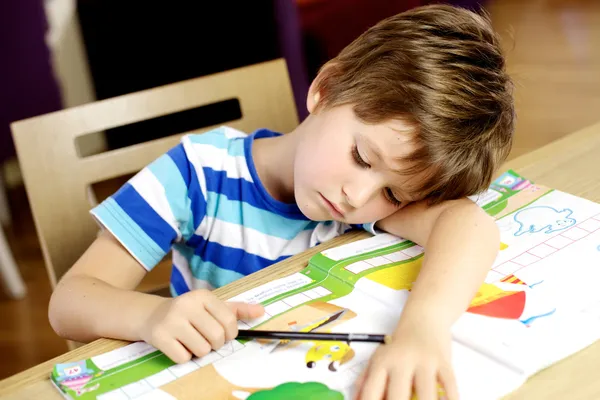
[204, 201]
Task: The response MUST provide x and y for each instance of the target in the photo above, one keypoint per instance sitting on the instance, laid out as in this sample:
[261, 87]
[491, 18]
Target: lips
[335, 211]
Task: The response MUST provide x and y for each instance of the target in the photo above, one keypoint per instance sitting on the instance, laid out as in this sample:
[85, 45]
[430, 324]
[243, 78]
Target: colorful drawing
[508, 180]
[507, 300]
[298, 391]
[536, 219]
[76, 376]
[335, 353]
[441, 393]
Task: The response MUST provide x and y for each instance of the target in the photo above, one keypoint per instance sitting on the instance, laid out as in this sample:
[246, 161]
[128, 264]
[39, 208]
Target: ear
[314, 94]
[313, 97]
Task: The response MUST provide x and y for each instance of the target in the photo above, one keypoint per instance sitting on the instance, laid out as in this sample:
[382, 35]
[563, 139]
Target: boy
[409, 119]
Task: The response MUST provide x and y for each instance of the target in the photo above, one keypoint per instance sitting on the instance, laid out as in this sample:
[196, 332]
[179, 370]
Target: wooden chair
[57, 179]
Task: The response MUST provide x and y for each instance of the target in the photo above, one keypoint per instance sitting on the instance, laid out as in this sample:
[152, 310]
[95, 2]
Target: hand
[194, 323]
[418, 358]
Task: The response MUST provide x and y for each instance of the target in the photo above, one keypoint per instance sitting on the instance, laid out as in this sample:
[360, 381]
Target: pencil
[338, 337]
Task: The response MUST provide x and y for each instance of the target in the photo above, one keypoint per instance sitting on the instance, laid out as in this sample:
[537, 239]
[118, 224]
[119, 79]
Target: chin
[310, 212]
[309, 209]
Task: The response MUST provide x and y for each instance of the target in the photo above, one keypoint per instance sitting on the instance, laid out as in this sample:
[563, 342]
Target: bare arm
[96, 297]
[461, 243]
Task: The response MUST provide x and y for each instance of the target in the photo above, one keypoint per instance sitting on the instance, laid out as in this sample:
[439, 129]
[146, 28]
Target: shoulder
[215, 137]
[216, 144]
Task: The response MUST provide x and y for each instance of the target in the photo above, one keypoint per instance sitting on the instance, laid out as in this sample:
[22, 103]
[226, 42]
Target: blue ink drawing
[528, 321]
[536, 219]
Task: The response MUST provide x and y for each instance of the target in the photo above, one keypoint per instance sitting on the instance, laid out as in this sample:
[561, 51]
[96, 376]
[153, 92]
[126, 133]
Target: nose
[361, 190]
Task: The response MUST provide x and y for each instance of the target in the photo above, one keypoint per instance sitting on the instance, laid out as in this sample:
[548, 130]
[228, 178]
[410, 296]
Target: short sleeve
[161, 205]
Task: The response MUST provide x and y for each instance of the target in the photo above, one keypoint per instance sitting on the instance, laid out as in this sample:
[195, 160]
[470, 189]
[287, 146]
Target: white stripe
[219, 160]
[251, 240]
[201, 284]
[183, 266]
[151, 190]
[189, 150]
[232, 132]
[205, 227]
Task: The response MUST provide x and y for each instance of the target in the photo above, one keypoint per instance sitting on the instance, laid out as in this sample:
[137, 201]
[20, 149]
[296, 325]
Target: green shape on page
[298, 391]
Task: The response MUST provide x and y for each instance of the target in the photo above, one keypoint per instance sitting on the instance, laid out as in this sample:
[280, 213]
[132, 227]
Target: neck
[274, 162]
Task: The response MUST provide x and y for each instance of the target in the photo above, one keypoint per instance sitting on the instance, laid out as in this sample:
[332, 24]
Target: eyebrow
[373, 148]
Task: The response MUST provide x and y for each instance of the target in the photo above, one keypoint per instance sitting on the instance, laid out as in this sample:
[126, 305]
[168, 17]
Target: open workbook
[539, 304]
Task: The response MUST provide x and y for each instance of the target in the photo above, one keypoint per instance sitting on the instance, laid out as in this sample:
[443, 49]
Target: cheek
[321, 161]
[376, 210]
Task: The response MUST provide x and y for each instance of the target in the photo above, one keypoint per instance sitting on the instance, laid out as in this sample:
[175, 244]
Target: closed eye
[358, 159]
[389, 195]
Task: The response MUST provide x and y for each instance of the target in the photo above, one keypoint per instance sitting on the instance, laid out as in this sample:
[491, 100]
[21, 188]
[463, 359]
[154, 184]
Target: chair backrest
[57, 179]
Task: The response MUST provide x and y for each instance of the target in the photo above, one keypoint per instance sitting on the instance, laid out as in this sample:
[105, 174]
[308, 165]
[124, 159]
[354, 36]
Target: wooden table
[571, 164]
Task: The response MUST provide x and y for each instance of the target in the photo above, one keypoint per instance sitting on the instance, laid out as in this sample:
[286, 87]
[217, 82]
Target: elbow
[488, 232]
[55, 312]
[490, 227]
[62, 310]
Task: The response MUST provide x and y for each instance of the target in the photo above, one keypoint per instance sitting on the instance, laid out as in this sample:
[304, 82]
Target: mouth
[334, 210]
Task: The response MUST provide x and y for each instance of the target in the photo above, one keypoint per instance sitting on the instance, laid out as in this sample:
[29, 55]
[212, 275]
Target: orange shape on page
[510, 306]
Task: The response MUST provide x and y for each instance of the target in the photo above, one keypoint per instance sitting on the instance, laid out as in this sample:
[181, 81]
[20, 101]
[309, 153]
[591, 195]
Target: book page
[539, 304]
[541, 301]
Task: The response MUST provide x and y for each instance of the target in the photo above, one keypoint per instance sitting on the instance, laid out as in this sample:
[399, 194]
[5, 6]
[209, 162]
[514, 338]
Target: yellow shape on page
[398, 277]
[403, 276]
[441, 393]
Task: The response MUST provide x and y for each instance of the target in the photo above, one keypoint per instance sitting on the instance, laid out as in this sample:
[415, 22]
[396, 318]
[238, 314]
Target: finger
[400, 385]
[193, 341]
[173, 349]
[448, 380]
[374, 385]
[224, 315]
[426, 385]
[246, 310]
[209, 328]
[358, 384]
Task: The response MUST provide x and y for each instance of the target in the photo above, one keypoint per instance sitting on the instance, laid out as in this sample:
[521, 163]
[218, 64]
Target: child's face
[344, 169]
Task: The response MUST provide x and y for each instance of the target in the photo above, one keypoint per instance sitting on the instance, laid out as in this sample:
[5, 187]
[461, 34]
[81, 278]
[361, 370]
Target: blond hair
[441, 70]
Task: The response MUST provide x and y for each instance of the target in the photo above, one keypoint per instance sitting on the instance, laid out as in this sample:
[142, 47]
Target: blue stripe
[217, 138]
[354, 227]
[240, 213]
[241, 190]
[369, 227]
[236, 147]
[169, 175]
[178, 284]
[133, 238]
[217, 277]
[230, 258]
[194, 192]
[145, 217]
[182, 163]
[206, 270]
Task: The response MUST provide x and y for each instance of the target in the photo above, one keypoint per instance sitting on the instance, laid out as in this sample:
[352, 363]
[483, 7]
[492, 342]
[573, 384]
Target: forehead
[393, 140]
[390, 144]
